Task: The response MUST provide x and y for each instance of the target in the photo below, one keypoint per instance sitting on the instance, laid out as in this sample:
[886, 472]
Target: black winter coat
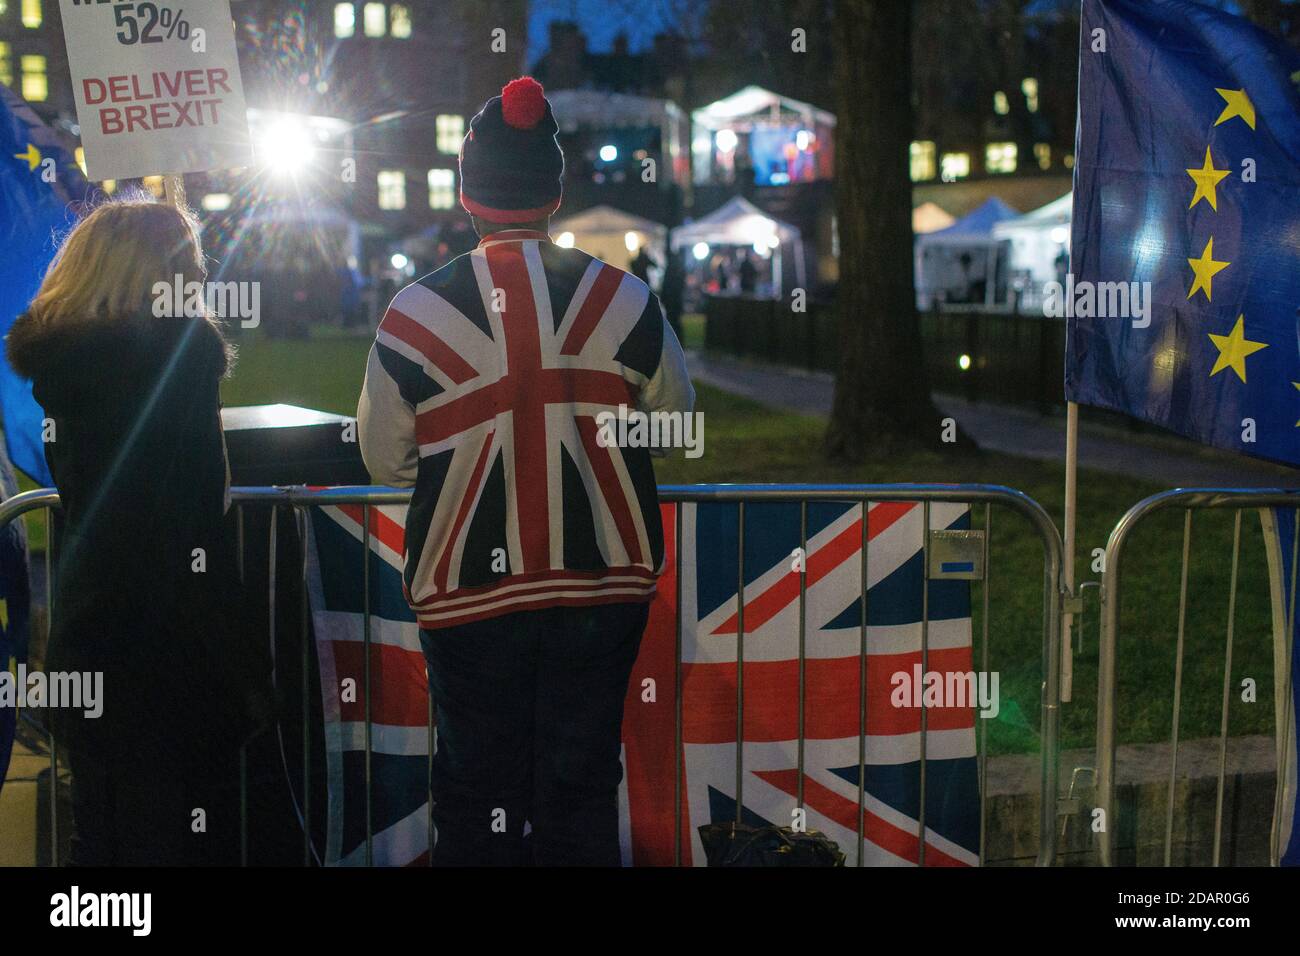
[139, 460]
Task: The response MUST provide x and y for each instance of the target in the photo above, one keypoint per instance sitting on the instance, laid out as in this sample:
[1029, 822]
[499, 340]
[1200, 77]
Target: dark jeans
[530, 712]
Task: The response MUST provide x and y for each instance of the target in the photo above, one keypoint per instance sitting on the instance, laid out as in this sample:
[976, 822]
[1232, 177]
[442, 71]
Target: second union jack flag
[848, 751]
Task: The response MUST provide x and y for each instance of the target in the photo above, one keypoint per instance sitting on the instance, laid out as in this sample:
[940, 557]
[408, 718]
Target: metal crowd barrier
[45, 499]
[1193, 499]
[300, 498]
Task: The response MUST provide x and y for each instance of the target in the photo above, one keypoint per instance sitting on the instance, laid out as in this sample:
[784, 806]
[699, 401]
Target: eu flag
[38, 180]
[1187, 177]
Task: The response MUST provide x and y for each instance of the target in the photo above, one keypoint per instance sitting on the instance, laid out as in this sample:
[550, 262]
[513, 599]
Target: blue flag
[39, 178]
[1185, 253]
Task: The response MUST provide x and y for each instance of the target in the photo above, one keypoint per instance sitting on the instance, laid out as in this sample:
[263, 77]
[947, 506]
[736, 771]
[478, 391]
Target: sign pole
[174, 190]
[1071, 508]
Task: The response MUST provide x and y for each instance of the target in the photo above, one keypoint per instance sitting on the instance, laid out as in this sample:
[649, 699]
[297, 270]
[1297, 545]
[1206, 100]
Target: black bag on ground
[739, 844]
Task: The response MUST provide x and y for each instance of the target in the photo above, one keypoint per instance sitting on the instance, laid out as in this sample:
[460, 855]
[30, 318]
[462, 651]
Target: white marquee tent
[1037, 239]
[963, 264]
[740, 223]
[753, 103]
[611, 234]
[759, 115]
[930, 217]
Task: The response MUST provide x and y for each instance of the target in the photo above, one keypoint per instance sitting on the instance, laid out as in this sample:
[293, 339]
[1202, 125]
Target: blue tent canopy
[978, 223]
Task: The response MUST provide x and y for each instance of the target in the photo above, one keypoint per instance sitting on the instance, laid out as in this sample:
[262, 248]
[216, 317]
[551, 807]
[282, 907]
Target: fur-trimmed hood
[93, 348]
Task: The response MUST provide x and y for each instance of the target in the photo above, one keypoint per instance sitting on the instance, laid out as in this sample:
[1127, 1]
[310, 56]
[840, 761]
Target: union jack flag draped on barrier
[769, 757]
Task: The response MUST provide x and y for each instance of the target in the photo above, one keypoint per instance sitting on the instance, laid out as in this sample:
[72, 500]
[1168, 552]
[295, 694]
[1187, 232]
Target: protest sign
[157, 87]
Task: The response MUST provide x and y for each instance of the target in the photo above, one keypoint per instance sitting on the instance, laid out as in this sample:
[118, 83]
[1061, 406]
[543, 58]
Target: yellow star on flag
[1233, 349]
[32, 156]
[1238, 104]
[1206, 178]
[1205, 268]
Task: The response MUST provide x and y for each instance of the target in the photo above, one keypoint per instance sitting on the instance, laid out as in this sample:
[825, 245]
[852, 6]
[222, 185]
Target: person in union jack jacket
[533, 543]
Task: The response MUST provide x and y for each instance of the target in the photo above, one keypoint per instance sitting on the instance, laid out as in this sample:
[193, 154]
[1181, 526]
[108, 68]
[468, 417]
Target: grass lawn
[747, 442]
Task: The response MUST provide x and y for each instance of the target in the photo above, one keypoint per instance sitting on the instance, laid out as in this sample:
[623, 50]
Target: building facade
[33, 60]
[405, 77]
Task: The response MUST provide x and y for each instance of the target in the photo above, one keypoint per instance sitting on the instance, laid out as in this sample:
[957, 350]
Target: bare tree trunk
[882, 395]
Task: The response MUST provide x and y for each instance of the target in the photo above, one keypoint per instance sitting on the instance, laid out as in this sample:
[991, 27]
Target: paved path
[1166, 460]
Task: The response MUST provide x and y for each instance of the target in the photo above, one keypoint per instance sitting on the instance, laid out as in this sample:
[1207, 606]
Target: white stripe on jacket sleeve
[669, 389]
[386, 428]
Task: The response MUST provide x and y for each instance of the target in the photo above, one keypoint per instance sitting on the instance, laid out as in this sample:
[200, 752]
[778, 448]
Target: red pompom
[522, 103]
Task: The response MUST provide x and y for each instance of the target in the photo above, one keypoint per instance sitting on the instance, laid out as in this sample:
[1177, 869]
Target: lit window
[375, 19]
[442, 189]
[109, 186]
[399, 19]
[954, 166]
[451, 131]
[36, 85]
[32, 13]
[1001, 105]
[922, 154]
[392, 189]
[6, 62]
[1043, 153]
[216, 202]
[155, 185]
[1000, 158]
[1029, 86]
[1068, 161]
[345, 20]
[81, 159]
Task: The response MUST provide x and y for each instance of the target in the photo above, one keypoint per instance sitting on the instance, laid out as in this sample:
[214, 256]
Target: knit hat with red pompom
[510, 162]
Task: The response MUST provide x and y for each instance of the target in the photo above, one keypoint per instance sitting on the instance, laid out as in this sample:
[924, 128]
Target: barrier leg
[1227, 691]
[984, 667]
[925, 669]
[862, 687]
[1178, 686]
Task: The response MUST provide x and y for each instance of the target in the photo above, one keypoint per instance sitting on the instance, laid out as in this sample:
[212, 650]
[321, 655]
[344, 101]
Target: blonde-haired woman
[145, 580]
